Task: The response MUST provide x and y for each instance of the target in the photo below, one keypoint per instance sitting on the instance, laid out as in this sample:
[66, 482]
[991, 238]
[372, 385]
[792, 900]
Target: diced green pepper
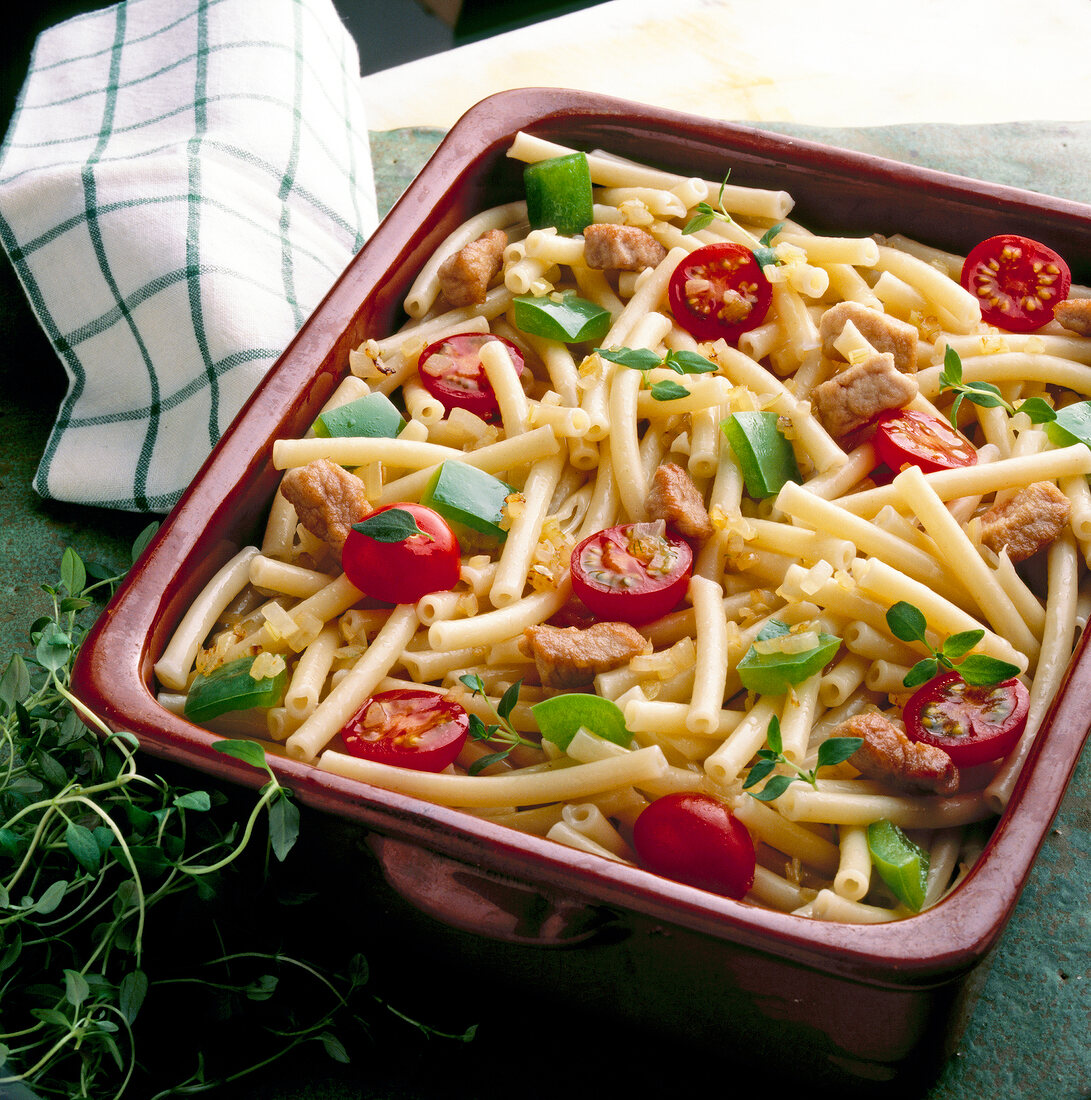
[901, 864]
[772, 673]
[567, 317]
[1072, 425]
[765, 455]
[559, 194]
[467, 497]
[373, 415]
[561, 717]
[231, 687]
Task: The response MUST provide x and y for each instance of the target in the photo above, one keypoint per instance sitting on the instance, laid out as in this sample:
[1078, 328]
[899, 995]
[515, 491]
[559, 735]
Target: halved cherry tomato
[971, 724]
[693, 838]
[401, 570]
[1018, 282]
[450, 370]
[408, 729]
[632, 573]
[719, 291]
[909, 437]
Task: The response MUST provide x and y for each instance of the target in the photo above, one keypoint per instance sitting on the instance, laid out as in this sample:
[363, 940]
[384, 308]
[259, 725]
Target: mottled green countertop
[1028, 1037]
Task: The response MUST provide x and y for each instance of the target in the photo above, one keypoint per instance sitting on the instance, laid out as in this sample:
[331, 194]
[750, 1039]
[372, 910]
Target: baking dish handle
[472, 899]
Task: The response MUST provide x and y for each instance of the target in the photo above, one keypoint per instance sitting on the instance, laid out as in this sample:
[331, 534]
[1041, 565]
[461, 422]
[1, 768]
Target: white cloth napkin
[181, 183]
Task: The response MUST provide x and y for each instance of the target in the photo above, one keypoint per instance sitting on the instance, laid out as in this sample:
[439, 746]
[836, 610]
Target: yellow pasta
[750, 690]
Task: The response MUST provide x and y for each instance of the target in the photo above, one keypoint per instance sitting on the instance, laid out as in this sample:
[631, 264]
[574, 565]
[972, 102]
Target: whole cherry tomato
[719, 291]
[450, 370]
[693, 838]
[632, 573]
[408, 729]
[401, 552]
[971, 724]
[1018, 282]
[909, 437]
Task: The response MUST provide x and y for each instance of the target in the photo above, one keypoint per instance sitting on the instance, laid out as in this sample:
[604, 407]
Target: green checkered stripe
[181, 183]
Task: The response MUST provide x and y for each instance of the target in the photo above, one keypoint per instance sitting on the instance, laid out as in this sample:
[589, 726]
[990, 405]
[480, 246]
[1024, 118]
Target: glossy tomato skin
[911, 437]
[697, 288]
[693, 838]
[973, 725]
[450, 370]
[402, 572]
[407, 728]
[630, 574]
[1017, 282]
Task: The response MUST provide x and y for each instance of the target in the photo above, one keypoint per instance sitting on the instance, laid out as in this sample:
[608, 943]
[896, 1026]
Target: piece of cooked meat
[674, 498]
[1027, 521]
[880, 330]
[610, 247]
[859, 393]
[571, 656]
[327, 499]
[464, 276]
[1075, 315]
[888, 754]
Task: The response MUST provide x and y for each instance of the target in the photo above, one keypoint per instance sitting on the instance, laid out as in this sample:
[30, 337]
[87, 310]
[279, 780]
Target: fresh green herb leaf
[908, 624]
[689, 362]
[502, 731]
[981, 670]
[985, 395]
[642, 359]
[249, 752]
[390, 525]
[835, 750]
[668, 391]
[707, 214]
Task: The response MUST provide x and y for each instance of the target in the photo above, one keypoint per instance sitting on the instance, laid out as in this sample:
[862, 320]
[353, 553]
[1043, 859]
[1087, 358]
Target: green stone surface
[1028, 1037]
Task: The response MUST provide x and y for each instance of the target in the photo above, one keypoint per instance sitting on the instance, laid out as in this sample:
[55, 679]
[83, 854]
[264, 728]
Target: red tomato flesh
[719, 291]
[1018, 282]
[408, 729]
[908, 437]
[973, 725]
[450, 370]
[693, 838]
[402, 572]
[632, 573]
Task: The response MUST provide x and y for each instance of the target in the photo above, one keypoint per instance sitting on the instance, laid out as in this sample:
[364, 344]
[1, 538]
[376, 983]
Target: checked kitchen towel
[181, 183]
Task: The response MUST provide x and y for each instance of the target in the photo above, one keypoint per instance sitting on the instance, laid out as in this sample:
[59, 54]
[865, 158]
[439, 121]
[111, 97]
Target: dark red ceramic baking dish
[856, 1004]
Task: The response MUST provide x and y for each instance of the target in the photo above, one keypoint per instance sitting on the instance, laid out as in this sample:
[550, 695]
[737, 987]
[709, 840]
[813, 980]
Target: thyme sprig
[501, 731]
[834, 750]
[908, 624]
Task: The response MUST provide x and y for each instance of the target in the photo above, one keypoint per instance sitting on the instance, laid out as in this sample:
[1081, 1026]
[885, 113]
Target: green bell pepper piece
[373, 415]
[558, 194]
[774, 673]
[468, 497]
[561, 717]
[765, 455]
[901, 864]
[569, 318]
[231, 687]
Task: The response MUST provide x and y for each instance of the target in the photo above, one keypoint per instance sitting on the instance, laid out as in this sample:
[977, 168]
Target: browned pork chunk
[675, 499]
[609, 247]
[888, 754]
[860, 392]
[465, 275]
[880, 330]
[571, 656]
[1027, 521]
[1075, 315]
[327, 498]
